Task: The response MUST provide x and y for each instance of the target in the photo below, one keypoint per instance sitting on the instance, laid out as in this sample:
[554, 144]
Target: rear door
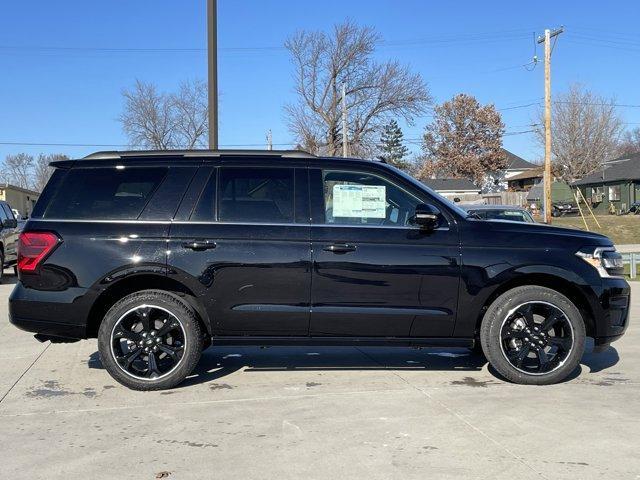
[241, 240]
[374, 273]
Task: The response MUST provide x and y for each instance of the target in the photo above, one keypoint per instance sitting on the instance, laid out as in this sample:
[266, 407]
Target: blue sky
[70, 91]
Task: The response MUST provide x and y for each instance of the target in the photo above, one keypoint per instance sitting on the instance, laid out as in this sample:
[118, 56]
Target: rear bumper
[60, 314]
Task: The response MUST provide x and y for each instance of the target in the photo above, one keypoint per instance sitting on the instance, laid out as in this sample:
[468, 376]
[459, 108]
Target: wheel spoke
[509, 333]
[543, 359]
[527, 313]
[126, 333]
[128, 358]
[153, 365]
[167, 327]
[518, 356]
[171, 351]
[563, 343]
[144, 313]
[550, 321]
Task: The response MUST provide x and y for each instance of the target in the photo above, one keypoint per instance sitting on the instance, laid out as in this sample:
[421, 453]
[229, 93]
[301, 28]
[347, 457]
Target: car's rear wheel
[533, 335]
[150, 340]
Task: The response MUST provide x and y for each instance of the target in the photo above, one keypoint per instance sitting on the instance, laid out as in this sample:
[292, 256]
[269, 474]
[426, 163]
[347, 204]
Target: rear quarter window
[104, 193]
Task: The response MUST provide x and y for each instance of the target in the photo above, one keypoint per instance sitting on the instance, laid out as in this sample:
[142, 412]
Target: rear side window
[256, 195]
[105, 193]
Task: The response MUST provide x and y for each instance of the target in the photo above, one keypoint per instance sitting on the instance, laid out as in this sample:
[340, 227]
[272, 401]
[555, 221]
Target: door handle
[340, 248]
[199, 245]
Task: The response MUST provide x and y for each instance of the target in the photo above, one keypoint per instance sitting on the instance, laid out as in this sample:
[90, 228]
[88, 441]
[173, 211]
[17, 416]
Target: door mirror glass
[9, 223]
[426, 216]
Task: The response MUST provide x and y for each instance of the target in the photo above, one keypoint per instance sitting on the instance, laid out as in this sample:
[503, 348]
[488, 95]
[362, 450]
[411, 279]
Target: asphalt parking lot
[375, 413]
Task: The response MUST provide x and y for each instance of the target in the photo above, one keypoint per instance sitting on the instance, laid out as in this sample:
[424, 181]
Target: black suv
[160, 254]
[8, 237]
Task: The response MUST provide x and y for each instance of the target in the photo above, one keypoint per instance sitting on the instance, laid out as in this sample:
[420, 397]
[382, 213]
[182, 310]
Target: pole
[547, 126]
[345, 146]
[212, 34]
[548, 34]
[269, 140]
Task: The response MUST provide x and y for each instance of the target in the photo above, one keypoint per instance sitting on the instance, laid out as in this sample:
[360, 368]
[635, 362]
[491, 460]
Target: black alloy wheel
[536, 337]
[533, 335]
[148, 342]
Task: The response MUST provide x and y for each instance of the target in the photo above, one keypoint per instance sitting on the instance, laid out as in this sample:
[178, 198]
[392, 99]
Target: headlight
[606, 260]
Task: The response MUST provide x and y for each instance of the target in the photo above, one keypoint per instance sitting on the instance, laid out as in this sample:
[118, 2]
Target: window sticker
[364, 201]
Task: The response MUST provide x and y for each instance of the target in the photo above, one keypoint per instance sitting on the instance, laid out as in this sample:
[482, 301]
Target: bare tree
[630, 143]
[375, 92]
[463, 141]
[42, 171]
[18, 169]
[191, 114]
[165, 121]
[585, 132]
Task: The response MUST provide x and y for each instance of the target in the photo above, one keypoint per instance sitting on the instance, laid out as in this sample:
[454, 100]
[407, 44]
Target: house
[617, 184]
[517, 165]
[452, 187]
[524, 181]
[21, 199]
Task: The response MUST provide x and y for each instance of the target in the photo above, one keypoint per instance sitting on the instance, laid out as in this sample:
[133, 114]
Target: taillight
[33, 248]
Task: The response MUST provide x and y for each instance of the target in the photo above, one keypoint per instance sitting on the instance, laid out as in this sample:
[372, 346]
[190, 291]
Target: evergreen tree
[392, 149]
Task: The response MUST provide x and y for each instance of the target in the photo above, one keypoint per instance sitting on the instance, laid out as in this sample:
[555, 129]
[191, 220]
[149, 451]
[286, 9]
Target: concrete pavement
[375, 413]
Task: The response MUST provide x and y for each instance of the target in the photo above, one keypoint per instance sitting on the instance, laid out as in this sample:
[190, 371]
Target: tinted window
[256, 195]
[360, 198]
[206, 207]
[105, 193]
[3, 214]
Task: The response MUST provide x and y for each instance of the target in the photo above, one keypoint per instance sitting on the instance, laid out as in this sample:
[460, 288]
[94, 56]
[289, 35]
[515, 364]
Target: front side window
[361, 198]
[105, 193]
[260, 195]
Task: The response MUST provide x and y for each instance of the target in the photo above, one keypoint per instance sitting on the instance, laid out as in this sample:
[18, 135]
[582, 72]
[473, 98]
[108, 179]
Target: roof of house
[623, 168]
[451, 184]
[537, 172]
[514, 162]
[8, 186]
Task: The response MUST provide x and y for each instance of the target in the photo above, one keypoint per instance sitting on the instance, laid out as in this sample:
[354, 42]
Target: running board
[344, 341]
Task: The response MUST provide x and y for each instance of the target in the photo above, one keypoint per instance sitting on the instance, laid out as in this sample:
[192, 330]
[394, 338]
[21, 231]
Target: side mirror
[10, 223]
[426, 216]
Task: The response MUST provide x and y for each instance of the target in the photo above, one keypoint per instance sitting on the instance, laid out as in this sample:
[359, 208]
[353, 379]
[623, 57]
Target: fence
[631, 259]
[518, 199]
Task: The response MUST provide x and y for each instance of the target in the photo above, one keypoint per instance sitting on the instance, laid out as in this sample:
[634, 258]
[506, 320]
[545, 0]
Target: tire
[517, 343]
[15, 270]
[134, 349]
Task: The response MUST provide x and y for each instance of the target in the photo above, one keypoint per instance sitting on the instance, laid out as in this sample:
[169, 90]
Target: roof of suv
[168, 155]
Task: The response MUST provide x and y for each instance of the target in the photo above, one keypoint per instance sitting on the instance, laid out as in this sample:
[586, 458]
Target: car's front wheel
[533, 335]
[150, 340]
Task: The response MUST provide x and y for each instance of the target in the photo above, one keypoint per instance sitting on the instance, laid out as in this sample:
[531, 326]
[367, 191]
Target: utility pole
[345, 146]
[269, 140]
[548, 35]
[212, 48]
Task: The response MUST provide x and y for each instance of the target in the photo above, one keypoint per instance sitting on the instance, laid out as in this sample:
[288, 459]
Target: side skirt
[344, 341]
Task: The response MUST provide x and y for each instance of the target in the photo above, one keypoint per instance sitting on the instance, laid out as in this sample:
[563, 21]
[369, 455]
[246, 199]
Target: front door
[241, 242]
[374, 273]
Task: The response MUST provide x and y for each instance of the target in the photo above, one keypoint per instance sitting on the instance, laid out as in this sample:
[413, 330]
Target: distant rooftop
[622, 168]
[514, 162]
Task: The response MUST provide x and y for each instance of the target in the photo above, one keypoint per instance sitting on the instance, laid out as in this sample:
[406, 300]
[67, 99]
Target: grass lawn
[620, 229]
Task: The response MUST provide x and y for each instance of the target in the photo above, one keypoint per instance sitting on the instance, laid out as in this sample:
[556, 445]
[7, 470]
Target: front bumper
[611, 311]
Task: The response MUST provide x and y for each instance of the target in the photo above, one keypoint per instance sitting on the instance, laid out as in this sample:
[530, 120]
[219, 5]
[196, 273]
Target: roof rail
[114, 155]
